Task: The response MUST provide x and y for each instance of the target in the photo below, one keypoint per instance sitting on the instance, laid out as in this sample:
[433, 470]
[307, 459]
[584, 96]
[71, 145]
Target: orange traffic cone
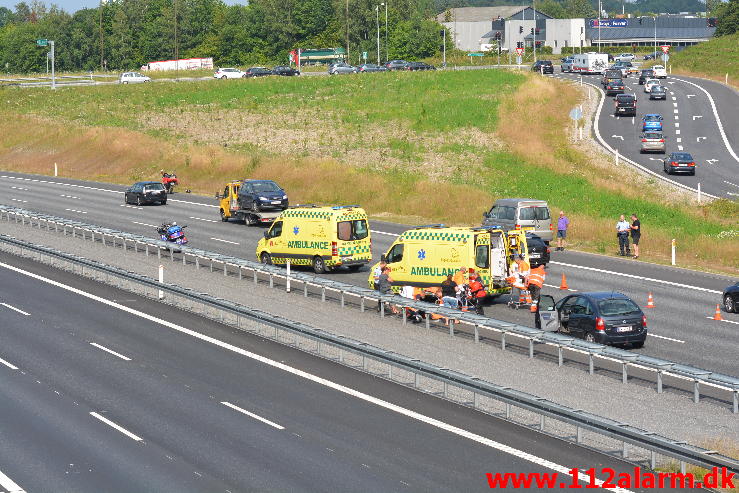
[650, 301]
[563, 285]
[717, 315]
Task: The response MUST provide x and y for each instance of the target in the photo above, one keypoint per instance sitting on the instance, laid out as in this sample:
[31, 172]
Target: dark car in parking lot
[285, 71]
[539, 251]
[614, 87]
[257, 72]
[679, 162]
[645, 75]
[259, 195]
[603, 317]
[415, 66]
[731, 298]
[395, 64]
[625, 105]
[371, 67]
[543, 66]
[145, 192]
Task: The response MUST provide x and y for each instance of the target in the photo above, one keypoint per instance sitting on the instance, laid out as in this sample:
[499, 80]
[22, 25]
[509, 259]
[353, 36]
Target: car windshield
[625, 98]
[651, 118]
[265, 186]
[532, 213]
[653, 135]
[153, 187]
[682, 156]
[617, 307]
[352, 230]
[658, 89]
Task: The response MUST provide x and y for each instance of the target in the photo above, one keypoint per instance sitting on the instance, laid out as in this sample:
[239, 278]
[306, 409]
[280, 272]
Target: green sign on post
[42, 42]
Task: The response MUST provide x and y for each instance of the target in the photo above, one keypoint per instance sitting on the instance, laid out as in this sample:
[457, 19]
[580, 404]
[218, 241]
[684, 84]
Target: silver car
[133, 78]
[341, 68]
[525, 214]
[653, 142]
[566, 64]
[658, 92]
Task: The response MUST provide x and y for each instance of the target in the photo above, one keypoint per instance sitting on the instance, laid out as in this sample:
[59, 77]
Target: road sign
[42, 42]
[518, 60]
[519, 51]
[665, 48]
[475, 54]
[665, 57]
[576, 113]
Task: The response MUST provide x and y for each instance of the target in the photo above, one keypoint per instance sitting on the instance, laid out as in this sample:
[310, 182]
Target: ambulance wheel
[354, 268]
[265, 258]
[223, 216]
[319, 266]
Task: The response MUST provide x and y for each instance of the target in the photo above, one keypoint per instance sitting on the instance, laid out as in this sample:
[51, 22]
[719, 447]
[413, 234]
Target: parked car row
[235, 73]
[345, 68]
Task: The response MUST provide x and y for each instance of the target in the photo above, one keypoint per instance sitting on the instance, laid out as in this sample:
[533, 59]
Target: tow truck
[232, 208]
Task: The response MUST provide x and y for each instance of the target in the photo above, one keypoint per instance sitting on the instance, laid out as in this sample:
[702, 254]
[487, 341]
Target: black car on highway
[646, 74]
[371, 67]
[679, 162]
[285, 71]
[415, 66]
[543, 66]
[396, 64]
[259, 195]
[603, 317]
[625, 105]
[257, 72]
[614, 87]
[539, 252]
[145, 192]
[731, 298]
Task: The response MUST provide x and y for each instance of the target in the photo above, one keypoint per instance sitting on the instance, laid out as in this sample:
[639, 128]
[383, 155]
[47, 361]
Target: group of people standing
[624, 230]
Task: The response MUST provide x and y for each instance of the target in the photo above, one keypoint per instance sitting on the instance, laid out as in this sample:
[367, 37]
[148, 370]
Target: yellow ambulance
[322, 237]
[423, 256]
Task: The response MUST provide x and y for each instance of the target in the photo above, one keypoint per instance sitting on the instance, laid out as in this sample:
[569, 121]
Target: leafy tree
[728, 19]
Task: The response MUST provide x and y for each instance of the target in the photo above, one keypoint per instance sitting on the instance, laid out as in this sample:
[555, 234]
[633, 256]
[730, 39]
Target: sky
[72, 6]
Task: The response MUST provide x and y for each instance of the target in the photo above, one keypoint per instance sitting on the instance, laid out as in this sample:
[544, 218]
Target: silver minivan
[527, 214]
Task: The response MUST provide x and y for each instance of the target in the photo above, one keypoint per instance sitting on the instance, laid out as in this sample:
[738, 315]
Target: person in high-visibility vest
[535, 283]
[521, 270]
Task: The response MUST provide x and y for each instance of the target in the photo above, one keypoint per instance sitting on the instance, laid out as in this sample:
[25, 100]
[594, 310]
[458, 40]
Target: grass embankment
[712, 59]
[421, 147]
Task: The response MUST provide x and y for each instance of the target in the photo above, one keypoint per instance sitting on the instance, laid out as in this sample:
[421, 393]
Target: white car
[659, 71]
[133, 78]
[624, 57]
[649, 84]
[229, 73]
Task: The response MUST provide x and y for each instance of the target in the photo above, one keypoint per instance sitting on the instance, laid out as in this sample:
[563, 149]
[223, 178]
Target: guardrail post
[625, 450]
[682, 467]
[171, 254]
[531, 348]
[323, 293]
[382, 308]
[305, 289]
[578, 435]
[287, 277]
[659, 381]
[624, 375]
[475, 400]
[541, 422]
[159, 250]
[446, 392]
[361, 304]
[652, 459]
[735, 409]
[405, 315]
[342, 298]
[73, 228]
[184, 260]
[255, 277]
[211, 265]
[161, 280]
[696, 392]
[197, 263]
[590, 363]
[428, 320]
[451, 327]
[341, 355]
[390, 372]
[241, 274]
[271, 280]
[502, 341]
[477, 333]
[364, 363]
[225, 269]
[415, 380]
[507, 411]
[559, 356]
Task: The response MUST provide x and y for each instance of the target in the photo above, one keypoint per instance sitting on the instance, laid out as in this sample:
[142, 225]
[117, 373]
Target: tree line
[125, 34]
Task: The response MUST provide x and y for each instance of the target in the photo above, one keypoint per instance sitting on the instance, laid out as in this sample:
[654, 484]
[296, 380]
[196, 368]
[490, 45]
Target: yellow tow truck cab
[322, 237]
[234, 204]
[422, 257]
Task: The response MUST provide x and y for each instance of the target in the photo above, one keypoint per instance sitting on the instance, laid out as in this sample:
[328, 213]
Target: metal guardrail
[593, 351]
[581, 420]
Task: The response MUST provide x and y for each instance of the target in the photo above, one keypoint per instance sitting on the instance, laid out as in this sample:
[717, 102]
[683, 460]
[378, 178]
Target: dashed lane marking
[698, 139]
[69, 196]
[115, 426]
[20, 188]
[666, 338]
[145, 224]
[119, 355]
[732, 184]
[225, 241]
[384, 233]
[132, 206]
[75, 210]
[252, 415]
[727, 321]
[9, 365]
[16, 309]
[9, 485]
[679, 148]
[202, 219]
[695, 117]
[20, 200]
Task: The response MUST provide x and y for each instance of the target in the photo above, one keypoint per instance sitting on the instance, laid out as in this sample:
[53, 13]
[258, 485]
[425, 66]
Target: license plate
[682, 165]
[276, 202]
[533, 256]
[623, 329]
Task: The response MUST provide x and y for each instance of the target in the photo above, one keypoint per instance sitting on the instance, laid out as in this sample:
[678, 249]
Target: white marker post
[161, 281]
[56, 170]
[580, 133]
[673, 251]
[699, 192]
[287, 284]
[616, 157]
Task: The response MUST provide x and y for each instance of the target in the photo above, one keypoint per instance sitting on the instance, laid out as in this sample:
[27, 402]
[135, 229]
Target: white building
[565, 33]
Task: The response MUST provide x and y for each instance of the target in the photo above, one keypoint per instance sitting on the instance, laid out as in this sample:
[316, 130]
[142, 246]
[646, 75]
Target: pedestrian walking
[622, 231]
[635, 234]
[562, 224]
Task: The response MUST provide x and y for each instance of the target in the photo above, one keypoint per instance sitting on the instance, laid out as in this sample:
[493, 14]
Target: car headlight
[263, 198]
[284, 197]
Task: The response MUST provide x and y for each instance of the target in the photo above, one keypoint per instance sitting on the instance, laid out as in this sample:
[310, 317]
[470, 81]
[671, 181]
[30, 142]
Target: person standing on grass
[635, 234]
[562, 224]
[622, 231]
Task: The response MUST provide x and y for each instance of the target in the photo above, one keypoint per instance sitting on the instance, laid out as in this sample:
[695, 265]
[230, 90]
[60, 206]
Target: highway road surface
[109, 392]
[680, 325]
[700, 117]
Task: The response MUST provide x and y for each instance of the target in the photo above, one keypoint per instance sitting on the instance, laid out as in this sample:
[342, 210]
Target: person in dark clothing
[635, 234]
[622, 232]
[449, 293]
[385, 285]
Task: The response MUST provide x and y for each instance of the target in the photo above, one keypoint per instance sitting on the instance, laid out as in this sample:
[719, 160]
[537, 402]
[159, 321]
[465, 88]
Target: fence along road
[338, 348]
[564, 346]
[680, 314]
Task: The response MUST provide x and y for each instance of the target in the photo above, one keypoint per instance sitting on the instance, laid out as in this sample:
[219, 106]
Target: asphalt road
[680, 325]
[114, 393]
[700, 117]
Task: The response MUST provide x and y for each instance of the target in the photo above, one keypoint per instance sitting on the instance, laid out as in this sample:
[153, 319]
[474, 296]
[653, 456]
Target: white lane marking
[557, 287]
[69, 196]
[319, 380]
[19, 188]
[145, 224]
[674, 104]
[117, 427]
[732, 184]
[20, 200]
[679, 148]
[9, 365]
[94, 188]
[698, 139]
[16, 309]
[132, 206]
[632, 276]
[383, 233]
[718, 119]
[666, 338]
[732, 194]
[75, 210]
[727, 321]
[674, 98]
[617, 137]
[691, 96]
[677, 132]
[675, 111]
[654, 159]
[677, 117]
[697, 116]
[206, 220]
[225, 241]
[679, 139]
[711, 161]
[258, 418]
[677, 125]
[9, 485]
[126, 358]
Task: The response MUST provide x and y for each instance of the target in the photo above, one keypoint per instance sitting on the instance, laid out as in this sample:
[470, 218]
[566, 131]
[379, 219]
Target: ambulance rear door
[483, 257]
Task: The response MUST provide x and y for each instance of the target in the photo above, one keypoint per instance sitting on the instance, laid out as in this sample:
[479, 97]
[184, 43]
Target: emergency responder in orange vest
[520, 271]
[535, 283]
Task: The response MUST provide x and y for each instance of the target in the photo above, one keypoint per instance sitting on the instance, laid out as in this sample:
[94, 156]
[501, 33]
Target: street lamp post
[443, 64]
[655, 37]
[600, 11]
[377, 18]
[387, 56]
